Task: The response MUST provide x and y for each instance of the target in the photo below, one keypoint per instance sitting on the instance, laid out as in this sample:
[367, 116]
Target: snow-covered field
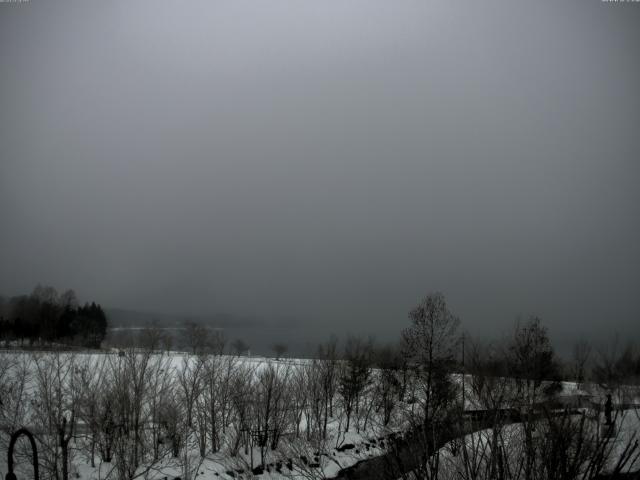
[300, 453]
[182, 416]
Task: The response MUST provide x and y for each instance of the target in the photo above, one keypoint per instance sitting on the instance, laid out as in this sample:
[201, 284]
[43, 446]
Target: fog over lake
[326, 163]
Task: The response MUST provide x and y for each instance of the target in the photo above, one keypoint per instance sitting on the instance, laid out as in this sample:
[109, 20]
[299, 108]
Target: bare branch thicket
[617, 371]
[134, 378]
[490, 395]
[55, 408]
[199, 339]
[219, 378]
[91, 374]
[189, 384]
[328, 376]
[161, 385]
[242, 392]
[547, 440]
[153, 338]
[431, 345]
[15, 375]
[316, 405]
[302, 391]
[271, 405]
[580, 360]
[388, 381]
[533, 366]
[354, 378]
[191, 458]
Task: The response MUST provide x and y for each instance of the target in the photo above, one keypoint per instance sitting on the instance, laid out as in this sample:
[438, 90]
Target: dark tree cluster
[46, 316]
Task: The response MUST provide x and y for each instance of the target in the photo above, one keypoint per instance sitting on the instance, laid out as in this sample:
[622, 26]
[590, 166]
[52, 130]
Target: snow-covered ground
[295, 456]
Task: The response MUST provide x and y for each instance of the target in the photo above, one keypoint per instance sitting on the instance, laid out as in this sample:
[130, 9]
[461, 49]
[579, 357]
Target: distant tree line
[46, 316]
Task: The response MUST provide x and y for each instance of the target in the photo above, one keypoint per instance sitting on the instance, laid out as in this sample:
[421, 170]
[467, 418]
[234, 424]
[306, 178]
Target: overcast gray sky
[325, 160]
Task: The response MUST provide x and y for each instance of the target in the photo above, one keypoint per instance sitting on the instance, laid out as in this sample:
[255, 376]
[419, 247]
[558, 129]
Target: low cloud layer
[326, 162]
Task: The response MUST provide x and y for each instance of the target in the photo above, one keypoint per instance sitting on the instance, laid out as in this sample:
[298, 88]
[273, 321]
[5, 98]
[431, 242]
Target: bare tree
[533, 365]
[388, 380]
[161, 383]
[490, 396]
[91, 377]
[242, 395]
[279, 349]
[240, 347]
[579, 361]
[355, 375]
[152, 338]
[189, 382]
[132, 385]
[271, 407]
[316, 406]
[614, 366]
[56, 404]
[431, 344]
[218, 379]
[328, 354]
[196, 337]
[301, 385]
